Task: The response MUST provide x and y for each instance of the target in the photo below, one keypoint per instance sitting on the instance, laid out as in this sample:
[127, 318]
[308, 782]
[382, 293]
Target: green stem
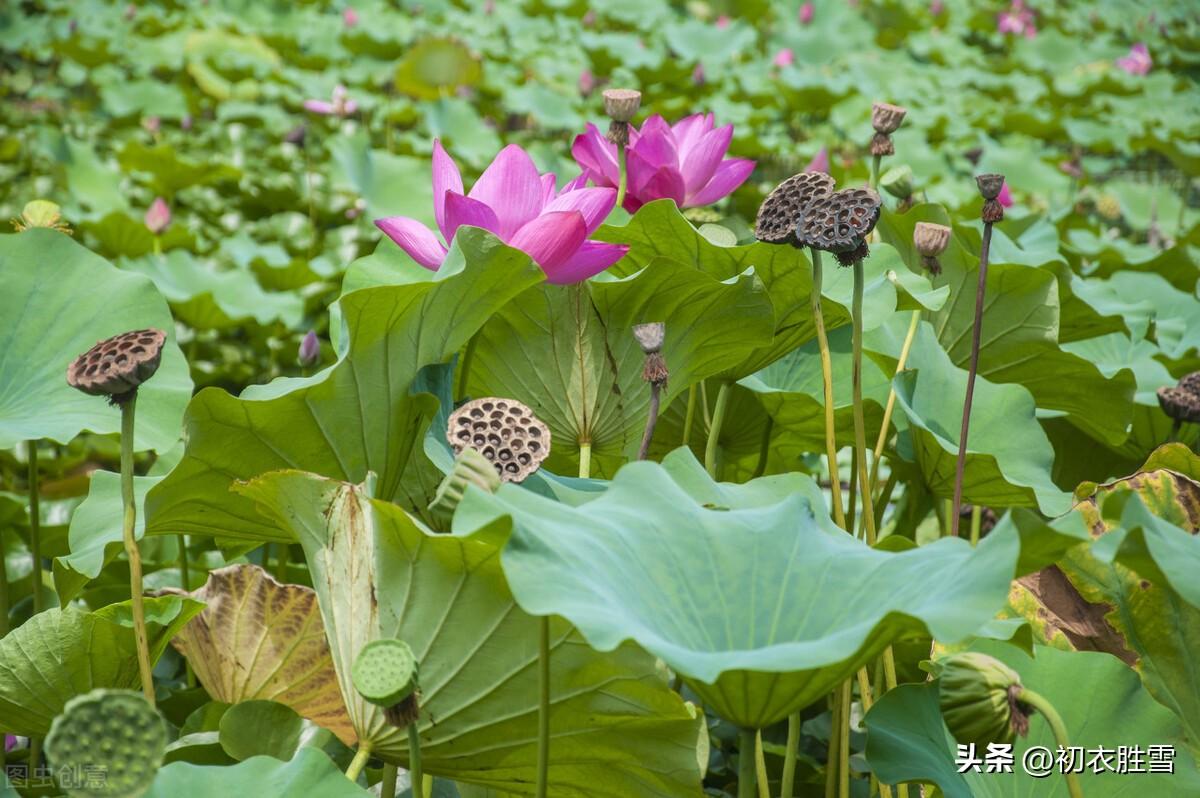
[860, 429]
[35, 756]
[976, 333]
[464, 370]
[414, 765]
[760, 767]
[788, 781]
[388, 779]
[3, 591]
[281, 562]
[714, 432]
[157, 245]
[35, 526]
[764, 451]
[184, 576]
[131, 549]
[359, 762]
[976, 523]
[876, 161]
[622, 177]
[690, 416]
[831, 756]
[1038, 702]
[885, 496]
[891, 400]
[746, 775]
[835, 481]
[585, 460]
[543, 745]
[843, 731]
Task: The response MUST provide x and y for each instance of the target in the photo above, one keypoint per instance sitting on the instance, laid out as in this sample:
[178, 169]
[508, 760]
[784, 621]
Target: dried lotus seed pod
[117, 731]
[840, 222]
[990, 185]
[881, 144]
[1179, 404]
[116, 366]
[782, 210]
[886, 118]
[505, 432]
[621, 104]
[931, 240]
[1190, 383]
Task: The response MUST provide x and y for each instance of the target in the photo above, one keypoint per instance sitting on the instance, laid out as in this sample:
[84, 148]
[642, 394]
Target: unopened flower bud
[158, 216]
[886, 118]
[621, 104]
[931, 240]
[978, 699]
[310, 349]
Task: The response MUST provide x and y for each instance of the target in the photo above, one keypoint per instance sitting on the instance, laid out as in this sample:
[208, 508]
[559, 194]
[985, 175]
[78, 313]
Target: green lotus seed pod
[978, 699]
[87, 739]
[470, 468]
[898, 181]
[385, 671]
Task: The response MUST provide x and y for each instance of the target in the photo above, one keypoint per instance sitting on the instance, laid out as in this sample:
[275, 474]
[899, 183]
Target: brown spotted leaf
[258, 639]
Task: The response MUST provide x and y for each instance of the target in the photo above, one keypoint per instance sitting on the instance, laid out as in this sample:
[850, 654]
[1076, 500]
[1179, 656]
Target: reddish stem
[976, 334]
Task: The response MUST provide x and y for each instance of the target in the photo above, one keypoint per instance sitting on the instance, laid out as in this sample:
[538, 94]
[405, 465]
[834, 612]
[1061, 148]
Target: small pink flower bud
[158, 216]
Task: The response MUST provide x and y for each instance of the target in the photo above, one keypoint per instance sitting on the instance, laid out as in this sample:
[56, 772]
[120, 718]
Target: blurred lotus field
[359, 225]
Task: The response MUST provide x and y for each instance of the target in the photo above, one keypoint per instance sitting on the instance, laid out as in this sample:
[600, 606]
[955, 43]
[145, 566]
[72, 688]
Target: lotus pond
[585, 400]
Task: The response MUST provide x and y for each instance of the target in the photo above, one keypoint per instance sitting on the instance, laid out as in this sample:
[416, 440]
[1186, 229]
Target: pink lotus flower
[1005, 196]
[349, 17]
[784, 57]
[341, 105]
[158, 216]
[587, 82]
[1018, 20]
[684, 162]
[936, 7]
[722, 22]
[820, 162]
[310, 349]
[511, 200]
[1138, 61]
[807, 12]
[698, 76]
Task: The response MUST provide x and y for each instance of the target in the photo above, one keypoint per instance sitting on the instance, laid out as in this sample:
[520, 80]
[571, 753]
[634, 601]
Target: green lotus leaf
[1101, 703]
[171, 173]
[260, 728]
[616, 727]
[569, 353]
[436, 67]
[1008, 455]
[59, 654]
[310, 772]
[761, 605]
[1145, 298]
[59, 299]
[344, 421]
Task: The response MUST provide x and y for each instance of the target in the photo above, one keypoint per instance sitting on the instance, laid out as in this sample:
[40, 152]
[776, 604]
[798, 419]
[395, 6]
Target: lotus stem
[387, 781]
[689, 416]
[359, 762]
[864, 691]
[1176, 427]
[3, 599]
[157, 245]
[831, 757]
[788, 780]
[976, 333]
[184, 576]
[843, 731]
[1038, 702]
[852, 493]
[585, 459]
[543, 747]
[131, 549]
[281, 562]
[464, 369]
[885, 496]
[312, 207]
[35, 526]
[746, 770]
[860, 432]
[414, 764]
[714, 432]
[876, 161]
[976, 523]
[760, 767]
[623, 175]
[764, 451]
[881, 441]
[835, 482]
[651, 420]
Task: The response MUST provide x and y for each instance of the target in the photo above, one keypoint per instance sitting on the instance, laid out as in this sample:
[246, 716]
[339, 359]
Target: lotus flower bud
[620, 105]
[898, 181]
[158, 216]
[978, 698]
[470, 468]
[886, 118]
[385, 674]
[310, 349]
[931, 240]
[990, 186]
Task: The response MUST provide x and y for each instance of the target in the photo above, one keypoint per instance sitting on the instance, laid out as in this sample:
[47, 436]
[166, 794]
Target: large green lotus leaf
[1101, 703]
[310, 772]
[1142, 299]
[616, 727]
[170, 173]
[1008, 455]
[363, 414]
[59, 299]
[59, 654]
[568, 352]
[759, 605]
[1019, 340]
[792, 392]
[659, 230]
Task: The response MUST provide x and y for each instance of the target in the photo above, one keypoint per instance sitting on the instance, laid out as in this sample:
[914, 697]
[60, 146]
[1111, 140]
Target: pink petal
[700, 164]
[445, 178]
[590, 259]
[549, 189]
[648, 183]
[688, 132]
[596, 156]
[1005, 196]
[819, 162]
[656, 145]
[578, 183]
[551, 238]
[512, 187]
[319, 107]
[730, 174]
[462, 210]
[414, 238]
[593, 203]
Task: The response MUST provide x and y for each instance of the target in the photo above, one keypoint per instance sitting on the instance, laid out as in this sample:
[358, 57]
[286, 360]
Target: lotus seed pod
[990, 185]
[1108, 206]
[1190, 383]
[886, 118]
[115, 731]
[782, 210]
[931, 240]
[621, 104]
[840, 222]
[117, 366]
[978, 699]
[1180, 404]
[898, 181]
[505, 432]
[385, 672]
[881, 144]
[470, 468]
